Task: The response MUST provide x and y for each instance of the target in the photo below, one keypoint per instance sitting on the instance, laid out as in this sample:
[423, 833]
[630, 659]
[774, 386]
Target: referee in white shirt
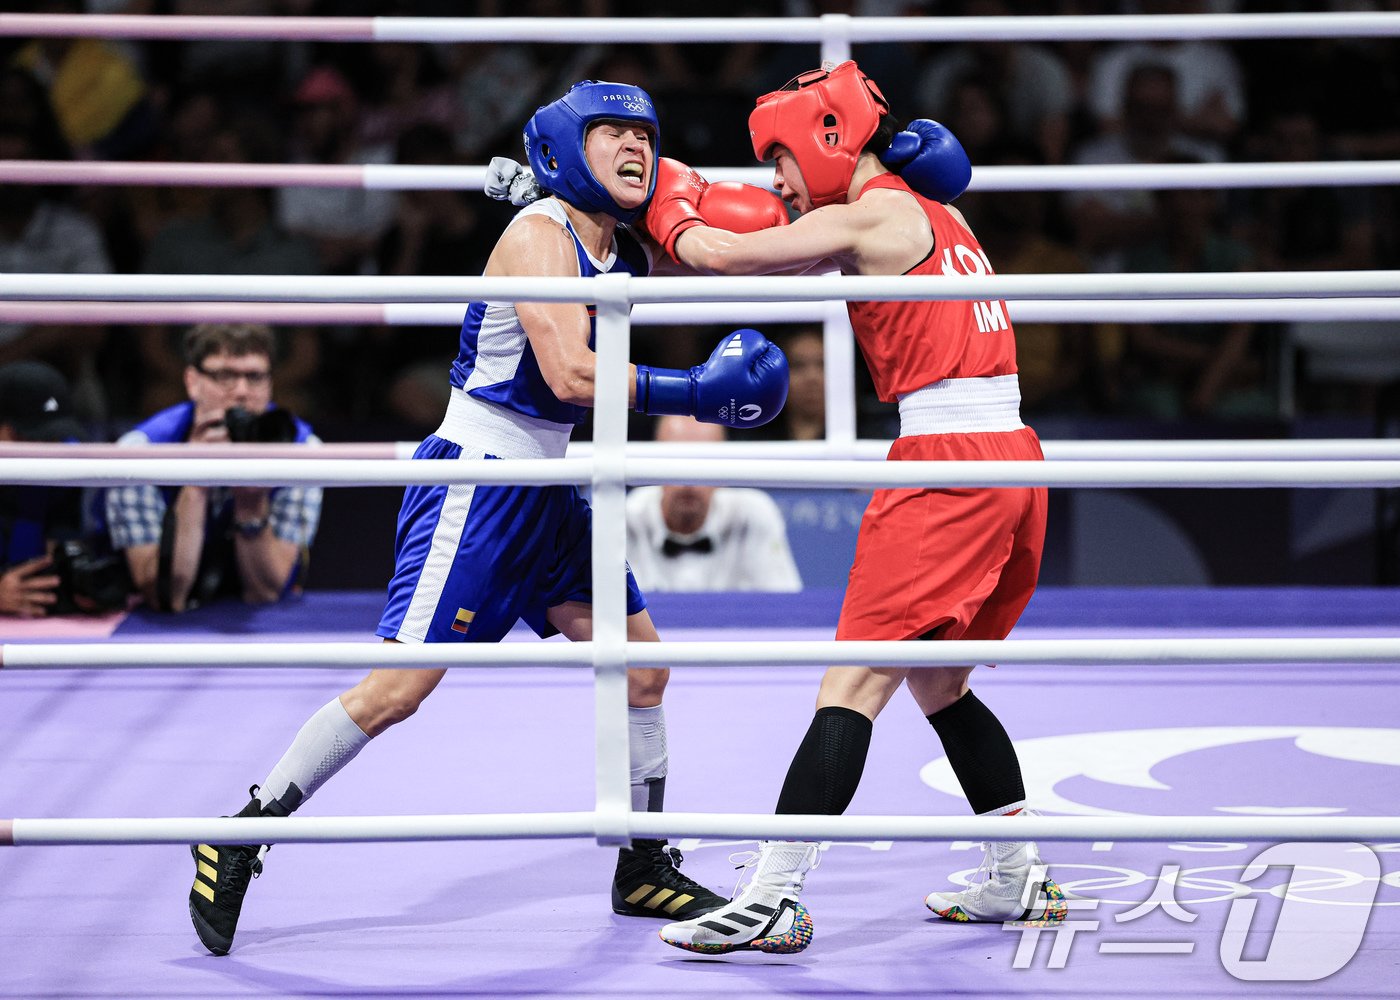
[692, 538]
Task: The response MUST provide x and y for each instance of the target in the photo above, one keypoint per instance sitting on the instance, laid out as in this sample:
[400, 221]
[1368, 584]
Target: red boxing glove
[675, 203]
[742, 208]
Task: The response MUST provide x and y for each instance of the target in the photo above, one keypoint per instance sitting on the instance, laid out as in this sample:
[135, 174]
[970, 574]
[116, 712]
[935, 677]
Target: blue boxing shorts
[472, 560]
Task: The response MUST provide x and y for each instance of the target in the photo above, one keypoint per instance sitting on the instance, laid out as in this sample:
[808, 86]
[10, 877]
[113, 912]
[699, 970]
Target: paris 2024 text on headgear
[554, 138]
[824, 117]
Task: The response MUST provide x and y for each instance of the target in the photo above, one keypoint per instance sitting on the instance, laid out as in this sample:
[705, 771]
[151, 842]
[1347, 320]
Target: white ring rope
[623, 30]
[865, 450]
[871, 450]
[806, 288]
[792, 473]
[1309, 310]
[745, 826]
[1163, 651]
[407, 177]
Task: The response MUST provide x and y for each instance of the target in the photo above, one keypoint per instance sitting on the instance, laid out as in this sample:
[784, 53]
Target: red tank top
[908, 345]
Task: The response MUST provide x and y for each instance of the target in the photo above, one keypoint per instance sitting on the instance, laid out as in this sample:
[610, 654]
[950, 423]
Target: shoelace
[240, 869]
[743, 861]
[988, 869]
[673, 875]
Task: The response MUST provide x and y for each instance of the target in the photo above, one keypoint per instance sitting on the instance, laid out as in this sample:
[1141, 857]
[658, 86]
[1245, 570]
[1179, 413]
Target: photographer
[188, 545]
[48, 566]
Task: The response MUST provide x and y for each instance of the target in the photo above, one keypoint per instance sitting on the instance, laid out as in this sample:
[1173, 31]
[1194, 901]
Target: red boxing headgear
[824, 117]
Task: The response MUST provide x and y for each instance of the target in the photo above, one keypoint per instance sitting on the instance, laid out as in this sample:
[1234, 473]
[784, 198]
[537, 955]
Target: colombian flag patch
[464, 619]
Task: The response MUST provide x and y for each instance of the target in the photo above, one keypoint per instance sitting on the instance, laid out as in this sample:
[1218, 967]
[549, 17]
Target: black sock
[981, 754]
[656, 795]
[827, 766]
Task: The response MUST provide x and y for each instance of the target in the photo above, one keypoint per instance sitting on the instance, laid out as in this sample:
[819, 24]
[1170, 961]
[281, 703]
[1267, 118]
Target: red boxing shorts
[963, 562]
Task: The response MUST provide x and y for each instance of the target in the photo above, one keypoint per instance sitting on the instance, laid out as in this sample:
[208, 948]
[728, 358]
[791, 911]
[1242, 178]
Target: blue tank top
[495, 361]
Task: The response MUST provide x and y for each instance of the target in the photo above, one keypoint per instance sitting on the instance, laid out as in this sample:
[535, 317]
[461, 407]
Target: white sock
[646, 746]
[329, 740]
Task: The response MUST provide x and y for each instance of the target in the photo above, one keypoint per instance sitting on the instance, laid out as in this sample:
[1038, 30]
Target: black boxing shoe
[649, 883]
[223, 872]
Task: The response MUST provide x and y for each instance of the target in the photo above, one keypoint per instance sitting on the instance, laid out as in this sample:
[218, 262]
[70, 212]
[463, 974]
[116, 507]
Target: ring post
[613, 762]
[836, 37]
[839, 372]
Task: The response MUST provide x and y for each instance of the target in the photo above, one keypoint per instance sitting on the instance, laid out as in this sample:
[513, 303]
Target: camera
[90, 581]
[274, 426]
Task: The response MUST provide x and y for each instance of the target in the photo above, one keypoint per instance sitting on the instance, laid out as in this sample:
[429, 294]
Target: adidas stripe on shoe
[649, 883]
[784, 929]
[766, 916]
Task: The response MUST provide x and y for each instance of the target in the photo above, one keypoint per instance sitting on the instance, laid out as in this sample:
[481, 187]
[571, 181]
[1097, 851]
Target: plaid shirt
[135, 513]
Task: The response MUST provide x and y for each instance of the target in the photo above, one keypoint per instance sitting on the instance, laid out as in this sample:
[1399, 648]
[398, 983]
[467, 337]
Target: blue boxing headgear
[554, 142]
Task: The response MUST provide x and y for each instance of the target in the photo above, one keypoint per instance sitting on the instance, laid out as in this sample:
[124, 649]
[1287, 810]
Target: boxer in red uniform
[930, 563]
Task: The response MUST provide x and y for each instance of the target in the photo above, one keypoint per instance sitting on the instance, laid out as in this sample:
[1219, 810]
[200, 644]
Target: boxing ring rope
[745, 826]
[1317, 310]
[630, 290]
[1381, 652]
[835, 32]
[864, 450]
[609, 468]
[409, 177]
[792, 473]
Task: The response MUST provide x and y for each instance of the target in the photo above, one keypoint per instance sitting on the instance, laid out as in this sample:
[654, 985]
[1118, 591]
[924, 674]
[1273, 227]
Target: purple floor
[526, 918]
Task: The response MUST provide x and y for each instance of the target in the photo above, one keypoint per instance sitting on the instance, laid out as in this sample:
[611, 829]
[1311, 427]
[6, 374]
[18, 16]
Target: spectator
[345, 223]
[1062, 366]
[188, 545]
[704, 537]
[1209, 79]
[42, 536]
[98, 92]
[1307, 228]
[1109, 222]
[434, 232]
[41, 234]
[804, 414]
[497, 86]
[1213, 369]
[235, 234]
[977, 115]
[408, 87]
[1031, 81]
[1343, 366]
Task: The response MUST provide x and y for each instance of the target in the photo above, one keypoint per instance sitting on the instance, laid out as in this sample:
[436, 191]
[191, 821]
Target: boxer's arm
[839, 235]
[727, 205]
[538, 247]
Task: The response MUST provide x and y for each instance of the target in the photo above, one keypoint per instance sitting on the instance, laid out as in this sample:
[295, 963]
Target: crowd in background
[1009, 103]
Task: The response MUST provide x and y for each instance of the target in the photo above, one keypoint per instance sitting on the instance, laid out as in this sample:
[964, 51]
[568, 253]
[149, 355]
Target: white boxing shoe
[765, 917]
[1015, 888]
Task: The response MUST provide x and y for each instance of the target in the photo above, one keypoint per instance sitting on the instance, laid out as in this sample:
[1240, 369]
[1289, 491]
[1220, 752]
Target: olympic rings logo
[1208, 884]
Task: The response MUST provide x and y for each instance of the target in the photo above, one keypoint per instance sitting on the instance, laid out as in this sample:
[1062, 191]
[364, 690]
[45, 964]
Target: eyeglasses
[226, 378]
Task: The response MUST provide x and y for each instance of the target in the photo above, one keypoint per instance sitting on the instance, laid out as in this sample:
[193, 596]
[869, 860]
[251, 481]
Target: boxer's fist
[743, 384]
[742, 208]
[675, 203]
[930, 160]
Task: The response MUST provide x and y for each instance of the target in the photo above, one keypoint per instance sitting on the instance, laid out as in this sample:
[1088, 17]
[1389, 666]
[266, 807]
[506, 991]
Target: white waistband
[477, 425]
[962, 406]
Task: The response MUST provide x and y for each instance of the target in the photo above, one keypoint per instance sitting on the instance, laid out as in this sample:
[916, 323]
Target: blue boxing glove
[744, 384]
[930, 160]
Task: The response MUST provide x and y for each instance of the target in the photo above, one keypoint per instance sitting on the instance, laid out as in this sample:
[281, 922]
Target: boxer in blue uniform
[471, 560]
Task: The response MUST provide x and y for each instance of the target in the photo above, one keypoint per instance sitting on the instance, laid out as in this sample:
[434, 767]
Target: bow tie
[672, 547]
